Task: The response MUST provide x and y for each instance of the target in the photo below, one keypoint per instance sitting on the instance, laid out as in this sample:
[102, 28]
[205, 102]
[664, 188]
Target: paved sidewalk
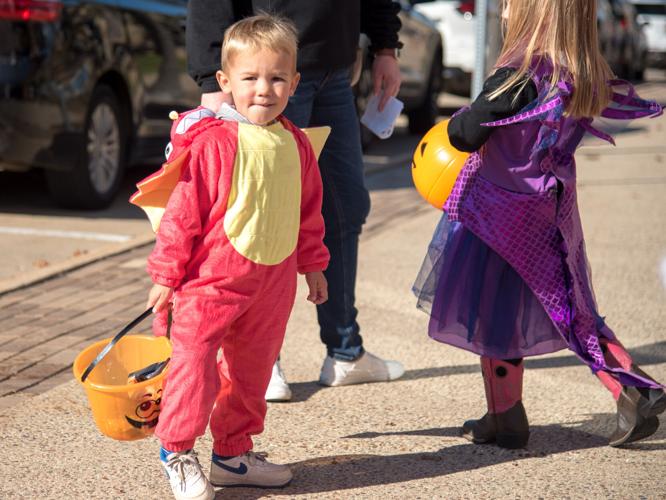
[397, 440]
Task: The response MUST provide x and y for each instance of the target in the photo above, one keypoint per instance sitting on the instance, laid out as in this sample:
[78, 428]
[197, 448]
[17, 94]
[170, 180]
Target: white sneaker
[250, 469]
[367, 368]
[278, 389]
[188, 482]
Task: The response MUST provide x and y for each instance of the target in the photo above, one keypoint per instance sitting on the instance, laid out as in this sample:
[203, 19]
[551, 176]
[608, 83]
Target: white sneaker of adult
[367, 368]
[250, 469]
[278, 389]
[188, 481]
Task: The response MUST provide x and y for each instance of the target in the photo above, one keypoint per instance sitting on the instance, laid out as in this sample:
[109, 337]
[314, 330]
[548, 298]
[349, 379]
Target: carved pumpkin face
[147, 411]
[436, 165]
[125, 391]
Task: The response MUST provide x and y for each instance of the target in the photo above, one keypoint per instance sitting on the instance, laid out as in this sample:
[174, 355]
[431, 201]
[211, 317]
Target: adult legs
[346, 204]
[325, 98]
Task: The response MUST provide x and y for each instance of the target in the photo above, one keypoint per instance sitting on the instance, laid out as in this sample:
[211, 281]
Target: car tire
[423, 117]
[96, 177]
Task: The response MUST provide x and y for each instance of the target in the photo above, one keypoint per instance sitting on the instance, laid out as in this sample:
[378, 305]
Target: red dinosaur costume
[243, 218]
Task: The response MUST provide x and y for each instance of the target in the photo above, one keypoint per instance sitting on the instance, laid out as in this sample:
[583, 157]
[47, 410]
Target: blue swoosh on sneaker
[241, 469]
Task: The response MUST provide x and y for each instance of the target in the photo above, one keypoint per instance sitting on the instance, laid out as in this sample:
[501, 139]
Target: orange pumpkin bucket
[123, 380]
[436, 165]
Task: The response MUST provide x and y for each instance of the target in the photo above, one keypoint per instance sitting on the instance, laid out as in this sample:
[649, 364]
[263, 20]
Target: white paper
[381, 123]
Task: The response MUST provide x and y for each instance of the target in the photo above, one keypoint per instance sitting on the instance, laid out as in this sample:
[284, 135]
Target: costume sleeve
[206, 22]
[379, 20]
[312, 254]
[186, 214]
[465, 130]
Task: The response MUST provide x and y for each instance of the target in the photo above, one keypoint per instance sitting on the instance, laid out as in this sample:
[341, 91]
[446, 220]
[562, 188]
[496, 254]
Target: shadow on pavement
[650, 354]
[341, 472]
[435, 432]
[541, 434]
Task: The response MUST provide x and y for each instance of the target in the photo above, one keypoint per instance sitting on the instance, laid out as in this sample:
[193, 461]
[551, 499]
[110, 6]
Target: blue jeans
[325, 98]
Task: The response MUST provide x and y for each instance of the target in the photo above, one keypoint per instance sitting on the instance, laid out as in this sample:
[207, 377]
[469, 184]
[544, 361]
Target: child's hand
[159, 297]
[318, 287]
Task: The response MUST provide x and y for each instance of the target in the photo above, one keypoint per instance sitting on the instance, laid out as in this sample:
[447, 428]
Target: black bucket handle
[113, 342]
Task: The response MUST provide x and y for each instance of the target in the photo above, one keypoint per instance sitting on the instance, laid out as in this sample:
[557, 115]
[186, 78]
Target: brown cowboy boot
[505, 422]
[637, 407]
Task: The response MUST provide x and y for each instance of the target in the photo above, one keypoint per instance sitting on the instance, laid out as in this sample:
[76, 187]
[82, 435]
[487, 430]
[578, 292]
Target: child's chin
[262, 118]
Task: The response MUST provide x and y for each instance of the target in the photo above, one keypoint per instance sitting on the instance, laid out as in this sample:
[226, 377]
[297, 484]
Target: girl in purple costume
[506, 275]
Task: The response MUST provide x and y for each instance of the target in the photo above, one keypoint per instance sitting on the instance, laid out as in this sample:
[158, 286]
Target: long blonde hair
[565, 33]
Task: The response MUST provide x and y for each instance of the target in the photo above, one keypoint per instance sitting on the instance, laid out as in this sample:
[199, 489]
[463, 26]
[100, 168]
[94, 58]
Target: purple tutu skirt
[478, 302]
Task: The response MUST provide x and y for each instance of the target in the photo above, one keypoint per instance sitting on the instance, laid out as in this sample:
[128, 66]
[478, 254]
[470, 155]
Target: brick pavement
[48, 324]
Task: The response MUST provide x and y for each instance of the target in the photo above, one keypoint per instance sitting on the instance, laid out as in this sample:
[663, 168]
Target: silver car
[652, 16]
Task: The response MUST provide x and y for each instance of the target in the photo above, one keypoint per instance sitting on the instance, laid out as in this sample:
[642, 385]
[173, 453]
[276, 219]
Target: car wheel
[96, 177]
[422, 118]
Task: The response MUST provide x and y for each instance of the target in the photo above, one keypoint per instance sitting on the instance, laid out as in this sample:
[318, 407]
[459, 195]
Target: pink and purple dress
[506, 274]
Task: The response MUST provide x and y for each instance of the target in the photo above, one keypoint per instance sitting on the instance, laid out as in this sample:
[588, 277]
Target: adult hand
[385, 76]
[213, 100]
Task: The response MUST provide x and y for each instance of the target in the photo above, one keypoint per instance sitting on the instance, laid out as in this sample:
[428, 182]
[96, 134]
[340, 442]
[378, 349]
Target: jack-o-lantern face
[147, 411]
[436, 165]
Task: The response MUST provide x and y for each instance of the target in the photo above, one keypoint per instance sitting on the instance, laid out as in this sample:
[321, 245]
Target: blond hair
[263, 31]
[565, 33]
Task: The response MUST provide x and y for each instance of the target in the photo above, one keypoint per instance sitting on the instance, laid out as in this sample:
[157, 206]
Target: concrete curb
[31, 278]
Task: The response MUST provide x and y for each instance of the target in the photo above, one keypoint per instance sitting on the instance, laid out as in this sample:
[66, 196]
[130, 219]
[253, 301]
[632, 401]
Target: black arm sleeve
[465, 130]
[206, 22]
[379, 20]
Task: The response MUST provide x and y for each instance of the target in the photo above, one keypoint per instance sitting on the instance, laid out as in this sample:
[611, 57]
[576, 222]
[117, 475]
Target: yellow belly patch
[263, 214]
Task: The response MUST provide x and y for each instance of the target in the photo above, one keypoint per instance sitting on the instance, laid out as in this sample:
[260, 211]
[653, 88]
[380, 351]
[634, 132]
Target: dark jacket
[328, 31]
[465, 130]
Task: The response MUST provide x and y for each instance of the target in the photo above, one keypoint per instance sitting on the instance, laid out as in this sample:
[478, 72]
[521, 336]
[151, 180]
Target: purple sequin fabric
[517, 195]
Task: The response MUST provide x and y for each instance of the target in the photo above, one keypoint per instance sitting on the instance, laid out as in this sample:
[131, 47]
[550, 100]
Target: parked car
[633, 44]
[609, 33]
[86, 88]
[652, 16]
[456, 21]
[420, 67]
